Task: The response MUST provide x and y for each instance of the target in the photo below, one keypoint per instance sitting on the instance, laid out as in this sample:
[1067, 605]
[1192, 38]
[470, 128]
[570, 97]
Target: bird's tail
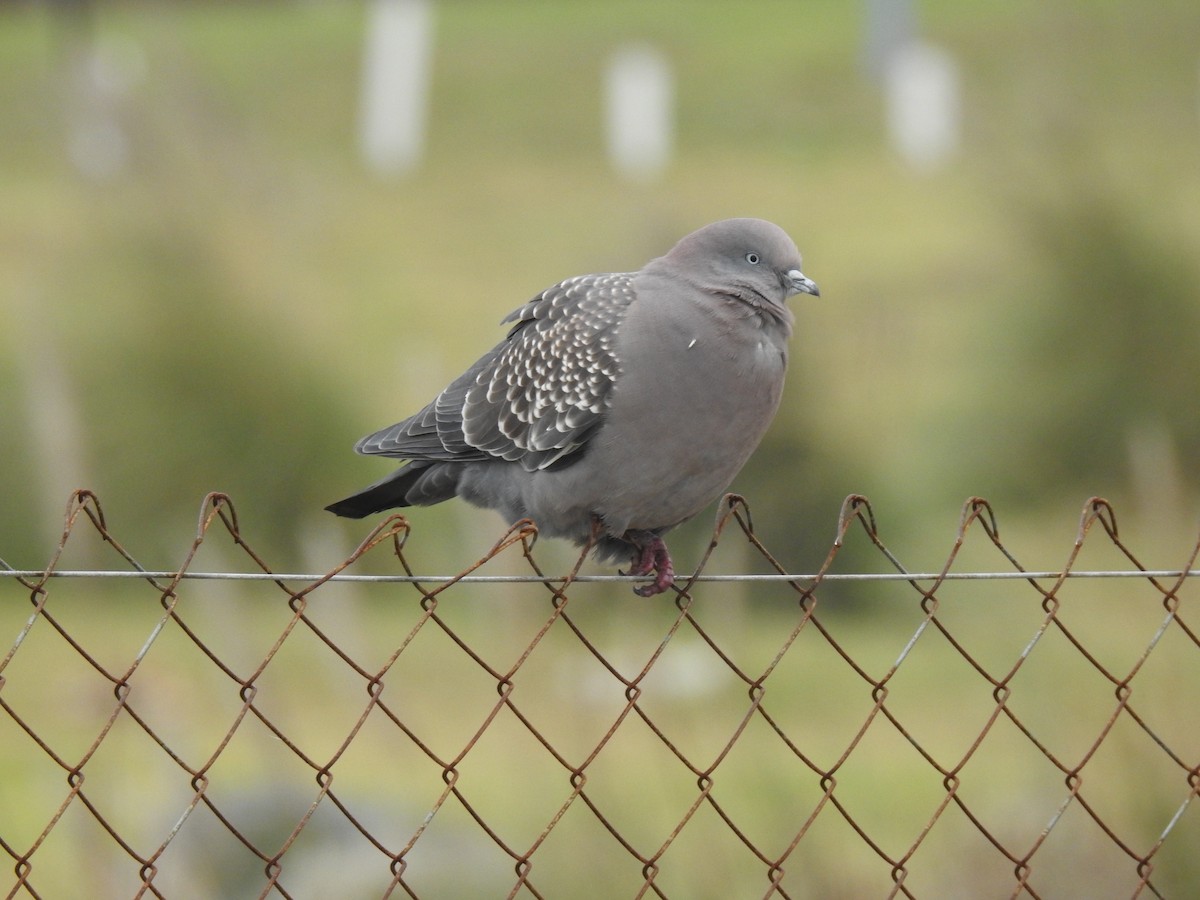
[416, 484]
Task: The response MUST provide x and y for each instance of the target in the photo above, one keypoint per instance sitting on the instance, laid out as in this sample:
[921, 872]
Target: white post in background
[922, 94]
[102, 72]
[397, 61]
[639, 96]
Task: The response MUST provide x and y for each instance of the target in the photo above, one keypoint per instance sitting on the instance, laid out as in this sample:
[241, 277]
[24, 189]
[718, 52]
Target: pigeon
[618, 406]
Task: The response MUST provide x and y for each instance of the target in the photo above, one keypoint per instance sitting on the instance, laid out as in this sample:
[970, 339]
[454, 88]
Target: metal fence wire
[372, 732]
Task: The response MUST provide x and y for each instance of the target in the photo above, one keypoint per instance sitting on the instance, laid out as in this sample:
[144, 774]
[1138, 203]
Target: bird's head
[749, 260]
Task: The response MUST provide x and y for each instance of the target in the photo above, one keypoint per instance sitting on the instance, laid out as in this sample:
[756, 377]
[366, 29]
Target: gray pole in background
[890, 25]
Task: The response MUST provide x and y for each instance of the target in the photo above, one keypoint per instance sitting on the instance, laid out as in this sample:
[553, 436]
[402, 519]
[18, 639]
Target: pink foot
[650, 555]
[643, 560]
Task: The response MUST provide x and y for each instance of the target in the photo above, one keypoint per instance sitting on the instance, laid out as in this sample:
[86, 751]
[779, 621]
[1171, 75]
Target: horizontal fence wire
[192, 732]
[595, 579]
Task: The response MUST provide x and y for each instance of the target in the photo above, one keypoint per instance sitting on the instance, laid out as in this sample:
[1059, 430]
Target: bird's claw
[643, 560]
[651, 556]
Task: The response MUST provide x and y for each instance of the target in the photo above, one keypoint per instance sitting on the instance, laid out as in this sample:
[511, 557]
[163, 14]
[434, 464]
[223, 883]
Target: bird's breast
[693, 400]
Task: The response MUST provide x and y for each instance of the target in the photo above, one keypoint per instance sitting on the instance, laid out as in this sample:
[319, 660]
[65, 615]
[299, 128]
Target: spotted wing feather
[538, 396]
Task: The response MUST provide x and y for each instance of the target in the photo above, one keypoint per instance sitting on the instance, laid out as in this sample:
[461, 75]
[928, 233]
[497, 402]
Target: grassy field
[239, 302]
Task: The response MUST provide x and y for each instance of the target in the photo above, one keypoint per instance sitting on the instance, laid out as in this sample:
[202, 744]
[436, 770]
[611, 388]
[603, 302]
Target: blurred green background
[205, 288]
[237, 303]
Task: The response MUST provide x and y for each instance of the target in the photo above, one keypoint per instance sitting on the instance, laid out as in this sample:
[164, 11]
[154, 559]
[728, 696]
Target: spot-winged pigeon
[622, 403]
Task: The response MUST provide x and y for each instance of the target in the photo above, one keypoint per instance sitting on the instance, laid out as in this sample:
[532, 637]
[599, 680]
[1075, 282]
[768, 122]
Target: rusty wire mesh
[386, 734]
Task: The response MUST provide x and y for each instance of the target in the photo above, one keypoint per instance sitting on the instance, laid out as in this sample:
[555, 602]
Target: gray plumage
[630, 400]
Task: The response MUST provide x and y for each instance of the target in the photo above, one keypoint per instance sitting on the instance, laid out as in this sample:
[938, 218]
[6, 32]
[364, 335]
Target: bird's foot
[650, 556]
[643, 559]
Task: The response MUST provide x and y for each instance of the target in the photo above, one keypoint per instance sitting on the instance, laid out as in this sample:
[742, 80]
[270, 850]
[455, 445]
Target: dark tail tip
[416, 484]
[351, 508]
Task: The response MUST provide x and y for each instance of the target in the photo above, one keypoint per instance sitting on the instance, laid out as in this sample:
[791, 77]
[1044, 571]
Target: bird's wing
[435, 433]
[537, 396]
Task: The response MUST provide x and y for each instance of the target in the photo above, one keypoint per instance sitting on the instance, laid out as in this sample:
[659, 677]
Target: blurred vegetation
[236, 304]
[241, 300]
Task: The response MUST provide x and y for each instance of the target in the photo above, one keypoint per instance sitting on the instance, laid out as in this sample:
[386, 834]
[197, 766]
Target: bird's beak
[799, 283]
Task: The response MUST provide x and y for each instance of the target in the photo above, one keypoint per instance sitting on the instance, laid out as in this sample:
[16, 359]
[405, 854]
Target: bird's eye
[752, 258]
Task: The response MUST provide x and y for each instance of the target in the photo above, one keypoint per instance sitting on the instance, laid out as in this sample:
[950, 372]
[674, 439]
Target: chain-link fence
[507, 732]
